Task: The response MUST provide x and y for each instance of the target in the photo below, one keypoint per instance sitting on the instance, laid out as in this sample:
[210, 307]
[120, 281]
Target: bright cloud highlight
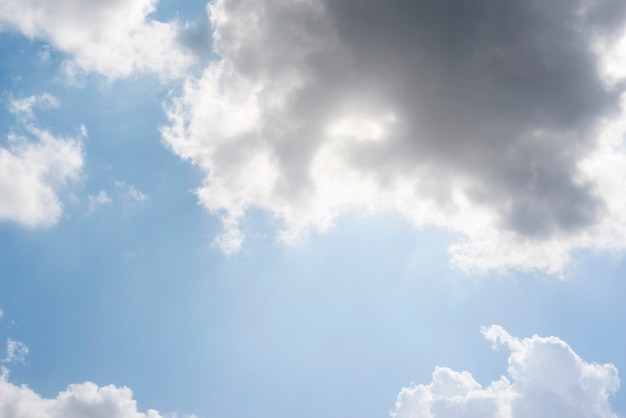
[546, 378]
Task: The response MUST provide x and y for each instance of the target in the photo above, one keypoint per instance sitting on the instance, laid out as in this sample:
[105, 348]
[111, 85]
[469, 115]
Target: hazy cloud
[486, 119]
[129, 192]
[35, 166]
[16, 351]
[100, 199]
[23, 108]
[546, 378]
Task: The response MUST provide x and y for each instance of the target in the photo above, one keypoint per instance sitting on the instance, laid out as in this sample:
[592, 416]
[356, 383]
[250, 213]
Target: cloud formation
[77, 401]
[546, 378]
[489, 120]
[111, 37]
[35, 166]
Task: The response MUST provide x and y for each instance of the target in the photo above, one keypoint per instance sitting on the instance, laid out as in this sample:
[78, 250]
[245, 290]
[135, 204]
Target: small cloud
[130, 192]
[137, 195]
[101, 199]
[23, 108]
[36, 165]
[16, 351]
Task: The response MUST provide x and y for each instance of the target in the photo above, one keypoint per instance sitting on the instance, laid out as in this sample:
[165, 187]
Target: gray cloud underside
[501, 92]
[497, 102]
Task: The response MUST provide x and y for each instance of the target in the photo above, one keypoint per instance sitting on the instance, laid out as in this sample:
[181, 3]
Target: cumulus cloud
[546, 378]
[35, 166]
[489, 120]
[77, 401]
[110, 37]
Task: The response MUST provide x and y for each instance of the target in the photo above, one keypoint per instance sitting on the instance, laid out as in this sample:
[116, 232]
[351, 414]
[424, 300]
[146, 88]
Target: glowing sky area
[312, 208]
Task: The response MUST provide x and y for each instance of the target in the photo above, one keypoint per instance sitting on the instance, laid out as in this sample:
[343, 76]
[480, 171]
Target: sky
[312, 208]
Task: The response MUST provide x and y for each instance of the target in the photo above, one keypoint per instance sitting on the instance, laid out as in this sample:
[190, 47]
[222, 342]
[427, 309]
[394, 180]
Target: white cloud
[130, 192]
[23, 108]
[546, 378]
[77, 401]
[35, 167]
[16, 351]
[110, 37]
[100, 199]
[498, 126]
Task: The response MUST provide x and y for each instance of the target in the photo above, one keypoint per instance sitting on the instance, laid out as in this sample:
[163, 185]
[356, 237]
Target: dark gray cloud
[505, 92]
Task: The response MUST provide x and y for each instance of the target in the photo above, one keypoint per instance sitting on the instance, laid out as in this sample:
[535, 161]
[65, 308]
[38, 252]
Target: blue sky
[278, 209]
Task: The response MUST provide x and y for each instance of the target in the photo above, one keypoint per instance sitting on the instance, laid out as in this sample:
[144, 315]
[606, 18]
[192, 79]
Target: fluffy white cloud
[77, 401]
[110, 37]
[35, 166]
[546, 378]
[500, 123]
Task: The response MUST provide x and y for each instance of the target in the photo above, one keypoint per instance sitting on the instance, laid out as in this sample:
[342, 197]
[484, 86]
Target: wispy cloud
[100, 199]
[23, 108]
[129, 191]
[16, 351]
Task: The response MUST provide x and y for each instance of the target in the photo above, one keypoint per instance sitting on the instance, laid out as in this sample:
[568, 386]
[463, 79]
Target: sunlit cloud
[545, 377]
